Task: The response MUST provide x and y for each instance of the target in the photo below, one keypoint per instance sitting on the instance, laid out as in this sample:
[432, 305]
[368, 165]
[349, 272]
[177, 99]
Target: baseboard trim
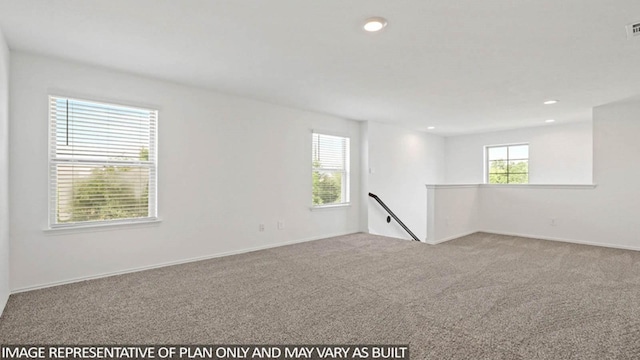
[440, 241]
[171, 263]
[270, 246]
[3, 304]
[571, 241]
[530, 236]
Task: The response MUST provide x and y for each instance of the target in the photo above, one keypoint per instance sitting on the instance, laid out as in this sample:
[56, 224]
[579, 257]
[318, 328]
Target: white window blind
[102, 162]
[330, 170]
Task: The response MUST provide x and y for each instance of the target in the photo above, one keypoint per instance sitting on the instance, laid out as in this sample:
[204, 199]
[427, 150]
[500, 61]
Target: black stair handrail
[394, 216]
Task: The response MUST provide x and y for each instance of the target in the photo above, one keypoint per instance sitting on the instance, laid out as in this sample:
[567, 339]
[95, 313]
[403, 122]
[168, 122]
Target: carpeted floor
[483, 296]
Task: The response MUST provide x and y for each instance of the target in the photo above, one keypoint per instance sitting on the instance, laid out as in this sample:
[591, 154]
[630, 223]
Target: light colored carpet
[481, 296]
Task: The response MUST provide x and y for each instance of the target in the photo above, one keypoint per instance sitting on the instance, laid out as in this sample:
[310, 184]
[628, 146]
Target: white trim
[335, 133]
[3, 303]
[175, 262]
[538, 237]
[235, 252]
[451, 186]
[126, 104]
[542, 186]
[486, 157]
[440, 241]
[571, 241]
[331, 206]
[519, 186]
[101, 226]
[53, 161]
[51, 199]
[507, 144]
[345, 187]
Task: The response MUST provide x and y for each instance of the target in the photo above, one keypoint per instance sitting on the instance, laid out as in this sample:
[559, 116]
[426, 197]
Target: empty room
[300, 179]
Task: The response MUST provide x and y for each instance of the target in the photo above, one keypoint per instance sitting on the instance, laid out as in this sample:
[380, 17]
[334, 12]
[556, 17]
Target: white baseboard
[572, 241]
[3, 304]
[440, 241]
[170, 263]
[269, 246]
[530, 236]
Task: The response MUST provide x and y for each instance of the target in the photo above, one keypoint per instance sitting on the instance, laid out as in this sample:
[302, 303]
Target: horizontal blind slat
[330, 169]
[97, 172]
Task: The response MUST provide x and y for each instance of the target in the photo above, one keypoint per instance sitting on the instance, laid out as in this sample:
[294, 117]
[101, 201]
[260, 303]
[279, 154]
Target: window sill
[518, 186]
[61, 230]
[542, 186]
[328, 207]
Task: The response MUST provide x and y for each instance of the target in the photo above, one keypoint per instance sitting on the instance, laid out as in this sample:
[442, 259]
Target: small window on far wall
[330, 170]
[507, 164]
[102, 163]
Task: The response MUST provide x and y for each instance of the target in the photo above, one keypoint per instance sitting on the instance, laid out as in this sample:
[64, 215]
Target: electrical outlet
[280, 225]
[261, 227]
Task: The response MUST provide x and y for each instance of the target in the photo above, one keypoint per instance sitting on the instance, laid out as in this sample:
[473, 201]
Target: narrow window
[330, 170]
[102, 163]
[507, 164]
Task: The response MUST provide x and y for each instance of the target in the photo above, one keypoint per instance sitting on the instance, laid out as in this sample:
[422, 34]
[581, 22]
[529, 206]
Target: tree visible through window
[508, 164]
[102, 162]
[330, 170]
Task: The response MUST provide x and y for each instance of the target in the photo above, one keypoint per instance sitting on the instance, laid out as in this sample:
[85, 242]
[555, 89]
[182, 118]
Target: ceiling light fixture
[431, 127]
[375, 24]
[550, 102]
[549, 121]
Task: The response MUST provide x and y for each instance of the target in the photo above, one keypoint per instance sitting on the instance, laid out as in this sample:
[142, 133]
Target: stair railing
[386, 208]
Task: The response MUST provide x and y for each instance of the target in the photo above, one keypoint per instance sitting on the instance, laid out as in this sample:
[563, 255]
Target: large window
[102, 163]
[507, 164]
[330, 170]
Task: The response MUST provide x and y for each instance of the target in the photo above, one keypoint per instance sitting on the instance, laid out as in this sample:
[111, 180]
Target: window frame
[52, 183]
[487, 162]
[346, 172]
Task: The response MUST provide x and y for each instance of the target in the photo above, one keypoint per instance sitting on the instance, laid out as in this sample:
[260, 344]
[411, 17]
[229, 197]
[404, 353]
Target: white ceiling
[462, 66]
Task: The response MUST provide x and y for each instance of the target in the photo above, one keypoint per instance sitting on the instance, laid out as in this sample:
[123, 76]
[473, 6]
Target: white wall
[364, 176]
[559, 213]
[452, 212]
[558, 154]
[226, 164]
[401, 161]
[616, 171]
[4, 173]
[606, 214]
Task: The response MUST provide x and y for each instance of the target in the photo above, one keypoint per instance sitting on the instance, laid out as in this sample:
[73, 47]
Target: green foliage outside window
[327, 187]
[508, 172]
[108, 193]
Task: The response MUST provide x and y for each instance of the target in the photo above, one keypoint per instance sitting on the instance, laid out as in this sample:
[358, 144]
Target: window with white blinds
[102, 163]
[330, 170]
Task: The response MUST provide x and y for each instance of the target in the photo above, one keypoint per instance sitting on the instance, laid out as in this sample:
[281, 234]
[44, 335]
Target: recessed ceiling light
[431, 127]
[550, 102]
[549, 121]
[375, 24]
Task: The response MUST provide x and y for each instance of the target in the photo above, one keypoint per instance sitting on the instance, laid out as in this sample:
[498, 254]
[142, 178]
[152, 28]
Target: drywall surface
[4, 173]
[558, 154]
[452, 211]
[605, 215]
[616, 171]
[572, 213]
[226, 165]
[559, 213]
[364, 176]
[400, 162]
